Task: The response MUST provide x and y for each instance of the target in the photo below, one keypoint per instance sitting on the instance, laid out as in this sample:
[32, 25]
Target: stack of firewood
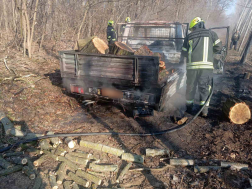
[98, 46]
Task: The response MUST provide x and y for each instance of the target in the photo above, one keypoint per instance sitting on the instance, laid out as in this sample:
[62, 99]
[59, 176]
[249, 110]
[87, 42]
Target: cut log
[31, 166]
[88, 177]
[101, 147]
[123, 172]
[7, 124]
[52, 180]
[60, 151]
[50, 154]
[34, 151]
[93, 45]
[19, 160]
[182, 121]
[237, 111]
[78, 160]
[11, 170]
[69, 164]
[44, 144]
[157, 152]
[83, 155]
[70, 143]
[41, 160]
[119, 48]
[234, 166]
[61, 173]
[29, 172]
[111, 150]
[5, 164]
[204, 169]
[78, 180]
[103, 168]
[144, 50]
[182, 162]
[10, 154]
[67, 184]
[92, 145]
[55, 141]
[133, 158]
[75, 186]
[37, 183]
[96, 173]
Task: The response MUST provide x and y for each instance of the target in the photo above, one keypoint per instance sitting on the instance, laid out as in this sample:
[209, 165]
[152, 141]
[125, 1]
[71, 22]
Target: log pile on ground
[81, 169]
[237, 111]
[77, 167]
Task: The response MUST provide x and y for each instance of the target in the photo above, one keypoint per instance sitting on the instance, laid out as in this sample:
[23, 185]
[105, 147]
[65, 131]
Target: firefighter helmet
[110, 22]
[195, 21]
[127, 19]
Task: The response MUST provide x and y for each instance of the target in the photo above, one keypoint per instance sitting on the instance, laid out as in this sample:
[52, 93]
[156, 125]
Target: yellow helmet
[195, 21]
[127, 19]
[110, 22]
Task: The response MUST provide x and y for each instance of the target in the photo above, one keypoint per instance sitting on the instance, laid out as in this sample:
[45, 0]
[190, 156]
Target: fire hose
[115, 133]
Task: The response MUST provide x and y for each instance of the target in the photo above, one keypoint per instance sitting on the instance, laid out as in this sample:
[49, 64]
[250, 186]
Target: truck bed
[120, 70]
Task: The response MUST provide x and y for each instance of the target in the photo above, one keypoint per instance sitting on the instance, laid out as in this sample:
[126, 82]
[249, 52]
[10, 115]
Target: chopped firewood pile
[77, 167]
[94, 45]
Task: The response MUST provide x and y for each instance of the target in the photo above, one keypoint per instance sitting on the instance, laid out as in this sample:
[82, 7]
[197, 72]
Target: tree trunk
[236, 110]
[144, 50]
[93, 45]
[5, 17]
[119, 48]
[83, 21]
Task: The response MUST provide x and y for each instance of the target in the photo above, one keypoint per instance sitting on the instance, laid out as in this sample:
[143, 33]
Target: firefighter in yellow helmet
[127, 20]
[111, 33]
[198, 50]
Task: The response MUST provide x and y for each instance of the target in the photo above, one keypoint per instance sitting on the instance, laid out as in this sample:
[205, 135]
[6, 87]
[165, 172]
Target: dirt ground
[39, 103]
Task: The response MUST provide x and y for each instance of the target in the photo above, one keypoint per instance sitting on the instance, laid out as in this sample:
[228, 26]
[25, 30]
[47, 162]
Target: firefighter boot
[204, 112]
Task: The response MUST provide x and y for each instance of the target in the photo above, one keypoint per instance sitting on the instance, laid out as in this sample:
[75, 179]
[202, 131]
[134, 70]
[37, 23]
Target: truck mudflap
[173, 94]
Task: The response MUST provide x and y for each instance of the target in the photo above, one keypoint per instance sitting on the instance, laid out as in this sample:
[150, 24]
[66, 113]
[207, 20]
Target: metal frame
[227, 36]
[151, 24]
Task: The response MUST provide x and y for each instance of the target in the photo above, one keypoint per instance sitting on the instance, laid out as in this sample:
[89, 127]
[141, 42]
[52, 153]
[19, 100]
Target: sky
[231, 10]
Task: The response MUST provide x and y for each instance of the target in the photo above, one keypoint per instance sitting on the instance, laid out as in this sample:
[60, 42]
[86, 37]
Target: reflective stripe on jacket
[111, 33]
[199, 48]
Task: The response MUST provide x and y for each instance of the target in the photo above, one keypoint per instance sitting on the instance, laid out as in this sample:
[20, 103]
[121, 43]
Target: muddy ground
[39, 103]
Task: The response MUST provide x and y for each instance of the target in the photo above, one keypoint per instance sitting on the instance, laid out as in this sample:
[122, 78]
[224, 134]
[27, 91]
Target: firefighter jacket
[199, 48]
[111, 34]
[236, 37]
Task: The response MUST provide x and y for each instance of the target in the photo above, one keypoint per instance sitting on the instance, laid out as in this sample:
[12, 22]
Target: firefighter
[127, 20]
[234, 40]
[198, 49]
[111, 33]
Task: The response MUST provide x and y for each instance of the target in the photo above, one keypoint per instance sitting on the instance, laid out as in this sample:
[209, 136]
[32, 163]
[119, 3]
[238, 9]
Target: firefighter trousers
[202, 79]
[233, 43]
